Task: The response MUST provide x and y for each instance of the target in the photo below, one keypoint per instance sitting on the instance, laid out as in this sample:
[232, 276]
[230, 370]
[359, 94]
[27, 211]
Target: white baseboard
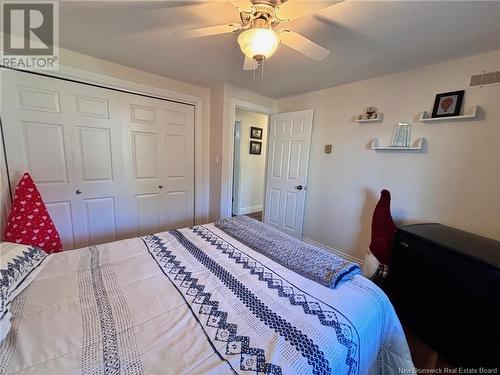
[335, 251]
[249, 210]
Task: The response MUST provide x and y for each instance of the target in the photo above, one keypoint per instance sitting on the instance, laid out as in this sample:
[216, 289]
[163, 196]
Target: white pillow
[19, 264]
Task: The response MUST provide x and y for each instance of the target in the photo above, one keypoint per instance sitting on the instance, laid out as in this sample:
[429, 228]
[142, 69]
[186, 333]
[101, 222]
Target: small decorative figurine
[370, 113]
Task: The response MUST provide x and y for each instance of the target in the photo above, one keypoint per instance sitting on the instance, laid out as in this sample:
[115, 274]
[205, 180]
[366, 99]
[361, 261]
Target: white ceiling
[367, 39]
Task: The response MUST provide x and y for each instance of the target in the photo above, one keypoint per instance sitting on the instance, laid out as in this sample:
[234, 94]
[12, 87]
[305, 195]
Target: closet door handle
[160, 186]
[78, 191]
[299, 187]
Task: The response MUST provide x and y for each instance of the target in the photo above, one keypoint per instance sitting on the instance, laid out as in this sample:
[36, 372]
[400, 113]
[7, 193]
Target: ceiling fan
[261, 29]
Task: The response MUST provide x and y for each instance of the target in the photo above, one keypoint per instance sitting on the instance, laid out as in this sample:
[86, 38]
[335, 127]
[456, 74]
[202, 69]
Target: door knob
[299, 187]
[160, 186]
[78, 191]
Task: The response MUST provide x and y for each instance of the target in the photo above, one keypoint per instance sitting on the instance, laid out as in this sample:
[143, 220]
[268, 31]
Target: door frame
[228, 149]
[201, 203]
[236, 166]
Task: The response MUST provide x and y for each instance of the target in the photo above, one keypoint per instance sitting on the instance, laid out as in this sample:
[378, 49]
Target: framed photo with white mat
[448, 104]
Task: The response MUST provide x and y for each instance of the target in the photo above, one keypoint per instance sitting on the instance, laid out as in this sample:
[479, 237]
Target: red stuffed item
[383, 229]
[29, 222]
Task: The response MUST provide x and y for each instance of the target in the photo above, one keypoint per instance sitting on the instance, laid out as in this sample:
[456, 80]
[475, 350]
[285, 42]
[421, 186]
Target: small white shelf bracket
[418, 145]
[469, 114]
[360, 120]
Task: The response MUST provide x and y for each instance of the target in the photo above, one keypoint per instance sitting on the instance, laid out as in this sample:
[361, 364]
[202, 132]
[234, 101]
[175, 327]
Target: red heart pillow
[29, 222]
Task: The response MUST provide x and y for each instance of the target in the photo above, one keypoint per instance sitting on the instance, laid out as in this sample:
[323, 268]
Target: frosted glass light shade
[258, 43]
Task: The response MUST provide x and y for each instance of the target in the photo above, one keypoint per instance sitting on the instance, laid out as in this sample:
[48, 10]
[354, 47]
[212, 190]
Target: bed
[196, 301]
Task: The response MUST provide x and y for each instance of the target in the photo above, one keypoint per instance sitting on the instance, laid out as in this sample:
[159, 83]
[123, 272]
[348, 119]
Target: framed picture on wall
[255, 132]
[255, 148]
[448, 104]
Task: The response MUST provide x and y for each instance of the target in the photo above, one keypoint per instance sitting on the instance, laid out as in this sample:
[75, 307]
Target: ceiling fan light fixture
[258, 43]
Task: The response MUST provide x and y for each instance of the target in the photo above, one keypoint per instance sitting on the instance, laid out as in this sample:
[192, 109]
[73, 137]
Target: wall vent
[485, 79]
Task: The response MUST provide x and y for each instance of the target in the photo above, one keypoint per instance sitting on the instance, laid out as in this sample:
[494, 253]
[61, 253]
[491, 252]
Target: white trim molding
[228, 150]
[249, 210]
[335, 251]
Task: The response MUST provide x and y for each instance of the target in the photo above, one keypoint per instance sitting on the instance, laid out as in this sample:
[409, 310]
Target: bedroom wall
[252, 167]
[216, 124]
[455, 182]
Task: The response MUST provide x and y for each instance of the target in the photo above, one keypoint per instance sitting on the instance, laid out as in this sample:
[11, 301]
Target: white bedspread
[196, 301]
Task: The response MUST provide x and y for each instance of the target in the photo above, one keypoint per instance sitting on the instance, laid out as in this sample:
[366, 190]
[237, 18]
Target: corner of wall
[216, 126]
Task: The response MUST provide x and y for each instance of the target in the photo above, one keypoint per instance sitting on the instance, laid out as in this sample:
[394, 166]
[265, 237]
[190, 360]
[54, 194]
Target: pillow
[19, 264]
[29, 222]
[310, 261]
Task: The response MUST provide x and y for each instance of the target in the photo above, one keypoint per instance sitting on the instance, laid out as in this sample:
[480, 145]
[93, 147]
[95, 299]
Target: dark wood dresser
[445, 286]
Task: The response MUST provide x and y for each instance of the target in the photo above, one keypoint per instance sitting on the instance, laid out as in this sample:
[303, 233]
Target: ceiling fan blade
[207, 31]
[293, 9]
[245, 5]
[304, 45]
[249, 64]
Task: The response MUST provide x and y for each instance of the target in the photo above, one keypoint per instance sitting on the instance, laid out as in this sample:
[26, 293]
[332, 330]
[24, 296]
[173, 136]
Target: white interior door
[67, 136]
[142, 156]
[178, 167]
[287, 163]
[108, 165]
[94, 120]
[159, 153]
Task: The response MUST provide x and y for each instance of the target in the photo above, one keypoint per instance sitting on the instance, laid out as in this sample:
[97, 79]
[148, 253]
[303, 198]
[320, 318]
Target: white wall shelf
[360, 120]
[469, 114]
[418, 145]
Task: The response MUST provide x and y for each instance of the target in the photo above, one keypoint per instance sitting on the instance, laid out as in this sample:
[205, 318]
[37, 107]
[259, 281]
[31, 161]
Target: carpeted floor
[256, 215]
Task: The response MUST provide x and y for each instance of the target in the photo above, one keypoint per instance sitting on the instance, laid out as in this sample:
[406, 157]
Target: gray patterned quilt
[196, 301]
[307, 260]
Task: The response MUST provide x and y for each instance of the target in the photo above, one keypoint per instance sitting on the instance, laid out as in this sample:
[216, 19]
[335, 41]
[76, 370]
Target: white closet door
[178, 168]
[142, 156]
[160, 159]
[38, 140]
[109, 165]
[67, 136]
[96, 143]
